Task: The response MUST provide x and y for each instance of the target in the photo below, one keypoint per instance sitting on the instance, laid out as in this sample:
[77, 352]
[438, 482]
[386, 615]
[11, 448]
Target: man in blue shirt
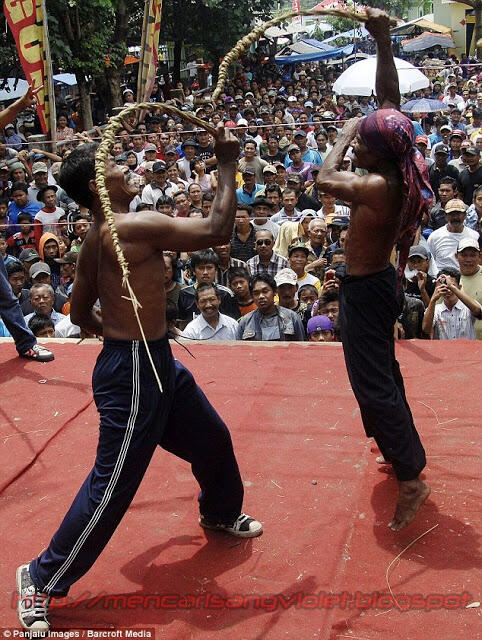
[247, 192]
[20, 202]
[307, 155]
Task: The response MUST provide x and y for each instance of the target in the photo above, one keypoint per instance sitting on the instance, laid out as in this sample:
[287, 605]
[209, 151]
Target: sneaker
[38, 353]
[32, 605]
[243, 527]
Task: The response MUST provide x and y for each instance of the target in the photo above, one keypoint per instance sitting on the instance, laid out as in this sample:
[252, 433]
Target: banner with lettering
[296, 6]
[26, 21]
[149, 54]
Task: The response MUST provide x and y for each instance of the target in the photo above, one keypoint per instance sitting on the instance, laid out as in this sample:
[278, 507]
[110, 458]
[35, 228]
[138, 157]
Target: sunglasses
[260, 243]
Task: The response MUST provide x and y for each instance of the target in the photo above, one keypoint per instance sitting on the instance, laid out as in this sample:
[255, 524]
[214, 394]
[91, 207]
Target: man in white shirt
[443, 242]
[158, 186]
[455, 316]
[210, 324]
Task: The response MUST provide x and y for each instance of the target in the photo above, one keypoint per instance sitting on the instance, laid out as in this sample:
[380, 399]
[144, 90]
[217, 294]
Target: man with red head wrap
[387, 207]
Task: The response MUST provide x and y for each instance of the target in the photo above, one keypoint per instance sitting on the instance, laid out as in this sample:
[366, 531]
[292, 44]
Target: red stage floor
[310, 476]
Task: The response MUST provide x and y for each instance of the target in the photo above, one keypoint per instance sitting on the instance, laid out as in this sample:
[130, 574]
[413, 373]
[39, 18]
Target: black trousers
[368, 311]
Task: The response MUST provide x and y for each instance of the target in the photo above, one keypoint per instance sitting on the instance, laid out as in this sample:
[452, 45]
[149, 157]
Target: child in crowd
[46, 220]
[23, 239]
[320, 329]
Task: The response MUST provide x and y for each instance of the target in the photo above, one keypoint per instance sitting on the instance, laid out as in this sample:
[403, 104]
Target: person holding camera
[455, 316]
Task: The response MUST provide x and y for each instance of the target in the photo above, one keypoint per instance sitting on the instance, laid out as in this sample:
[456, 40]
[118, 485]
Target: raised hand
[30, 98]
[378, 23]
[226, 146]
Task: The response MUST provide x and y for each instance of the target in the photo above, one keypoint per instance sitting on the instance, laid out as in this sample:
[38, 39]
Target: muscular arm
[386, 83]
[10, 113]
[345, 185]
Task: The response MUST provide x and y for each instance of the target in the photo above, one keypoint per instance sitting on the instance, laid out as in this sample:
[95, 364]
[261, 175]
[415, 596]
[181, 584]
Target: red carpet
[310, 476]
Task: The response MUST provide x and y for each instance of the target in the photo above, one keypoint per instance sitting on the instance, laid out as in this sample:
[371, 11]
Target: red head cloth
[390, 134]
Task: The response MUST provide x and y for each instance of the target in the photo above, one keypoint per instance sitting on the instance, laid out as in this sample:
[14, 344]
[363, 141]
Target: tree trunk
[85, 104]
[113, 96]
[478, 28]
[177, 61]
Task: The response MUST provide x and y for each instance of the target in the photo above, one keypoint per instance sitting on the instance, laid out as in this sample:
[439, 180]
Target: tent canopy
[13, 89]
[424, 23]
[308, 45]
[358, 32]
[66, 78]
[313, 57]
[426, 40]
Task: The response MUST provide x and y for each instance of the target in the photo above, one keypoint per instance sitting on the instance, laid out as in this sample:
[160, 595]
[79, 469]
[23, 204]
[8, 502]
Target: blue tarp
[313, 57]
[316, 43]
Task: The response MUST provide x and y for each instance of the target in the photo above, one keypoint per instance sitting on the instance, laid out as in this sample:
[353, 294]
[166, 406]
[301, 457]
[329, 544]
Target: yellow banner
[26, 21]
[149, 54]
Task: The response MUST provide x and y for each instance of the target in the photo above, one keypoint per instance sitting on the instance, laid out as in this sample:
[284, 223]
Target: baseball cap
[319, 323]
[455, 205]
[327, 115]
[299, 133]
[296, 246]
[170, 149]
[189, 142]
[148, 165]
[228, 99]
[242, 122]
[272, 93]
[308, 103]
[468, 243]
[249, 171]
[70, 257]
[441, 148]
[38, 268]
[14, 165]
[331, 126]
[292, 98]
[9, 126]
[470, 150]
[4, 166]
[158, 166]
[338, 221]
[422, 140]
[286, 276]
[418, 250]
[293, 147]
[261, 200]
[294, 177]
[39, 167]
[446, 127]
[457, 132]
[27, 255]
[269, 168]
[230, 124]
[150, 147]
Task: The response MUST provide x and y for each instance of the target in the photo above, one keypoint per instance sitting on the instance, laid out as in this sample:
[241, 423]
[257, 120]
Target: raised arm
[9, 114]
[386, 85]
[190, 234]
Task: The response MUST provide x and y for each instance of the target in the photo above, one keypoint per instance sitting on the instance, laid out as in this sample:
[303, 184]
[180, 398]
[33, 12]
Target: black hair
[272, 188]
[39, 322]
[241, 206]
[194, 162]
[14, 266]
[193, 184]
[331, 295]
[476, 112]
[249, 141]
[205, 256]
[272, 136]
[4, 201]
[143, 207]
[20, 186]
[338, 252]
[308, 287]
[263, 277]
[76, 171]
[477, 190]
[448, 180]
[453, 273]
[63, 114]
[208, 197]
[171, 163]
[179, 193]
[164, 200]
[202, 286]
[238, 272]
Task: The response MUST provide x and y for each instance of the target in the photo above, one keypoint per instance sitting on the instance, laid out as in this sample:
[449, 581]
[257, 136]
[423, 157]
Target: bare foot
[381, 460]
[412, 494]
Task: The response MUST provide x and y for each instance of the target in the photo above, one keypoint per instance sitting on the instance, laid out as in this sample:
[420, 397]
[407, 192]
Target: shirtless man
[386, 205]
[135, 417]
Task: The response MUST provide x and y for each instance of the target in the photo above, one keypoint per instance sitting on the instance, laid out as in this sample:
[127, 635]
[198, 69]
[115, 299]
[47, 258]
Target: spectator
[49, 249]
[189, 148]
[42, 326]
[23, 239]
[204, 265]
[456, 315]
[4, 257]
[243, 237]
[471, 177]
[16, 278]
[446, 191]
[165, 205]
[468, 257]
[204, 180]
[443, 242]
[266, 260]
[269, 322]
[226, 263]
[261, 213]
[21, 203]
[40, 274]
[239, 284]
[308, 156]
[474, 212]
[46, 220]
[298, 259]
[68, 263]
[273, 154]
[210, 324]
[303, 200]
[159, 185]
[81, 226]
[251, 161]
[247, 192]
[40, 180]
[182, 203]
[173, 288]
[288, 211]
[287, 284]
[320, 329]
[441, 169]
[420, 284]
[42, 300]
[195, 195]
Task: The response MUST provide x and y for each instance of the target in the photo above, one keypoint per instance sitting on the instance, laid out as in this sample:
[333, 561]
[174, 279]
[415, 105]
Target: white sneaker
[243, 527]
[32, 605]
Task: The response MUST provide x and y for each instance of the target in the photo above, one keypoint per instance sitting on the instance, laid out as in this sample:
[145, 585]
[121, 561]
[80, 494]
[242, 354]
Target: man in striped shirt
[266, 261]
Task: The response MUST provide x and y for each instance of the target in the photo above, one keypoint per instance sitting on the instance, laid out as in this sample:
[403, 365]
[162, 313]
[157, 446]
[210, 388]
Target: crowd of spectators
[278, 278]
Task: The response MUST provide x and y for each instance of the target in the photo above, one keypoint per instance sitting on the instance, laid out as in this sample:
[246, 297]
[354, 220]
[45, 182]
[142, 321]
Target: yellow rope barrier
[116, 123]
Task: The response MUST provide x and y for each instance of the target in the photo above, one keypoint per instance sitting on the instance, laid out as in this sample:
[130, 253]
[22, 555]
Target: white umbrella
[359, 79]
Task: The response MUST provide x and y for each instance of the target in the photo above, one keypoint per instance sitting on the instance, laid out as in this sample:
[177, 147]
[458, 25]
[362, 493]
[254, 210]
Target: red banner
[26, 21]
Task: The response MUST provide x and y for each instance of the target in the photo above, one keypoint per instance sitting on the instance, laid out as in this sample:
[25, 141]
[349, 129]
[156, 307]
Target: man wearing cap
[421, 142]
[286, 281]
[419, 283]
[296, 164]
[303, 199]
[189, 148]
[298, 254]
[67, 263]
[261, 215]
[468, 257]
[387, 204]
[320, 329]
[470, 178]
[205, 149]
[159, 185]
[40, 273]
[247, 192]
[265, 260]
[453, 97]
[440, 169]
[443, 242]
[308, 156]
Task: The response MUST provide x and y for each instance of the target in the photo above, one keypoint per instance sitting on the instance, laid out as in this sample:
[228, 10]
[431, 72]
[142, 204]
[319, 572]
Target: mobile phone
[442, 280]
[329, 275]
